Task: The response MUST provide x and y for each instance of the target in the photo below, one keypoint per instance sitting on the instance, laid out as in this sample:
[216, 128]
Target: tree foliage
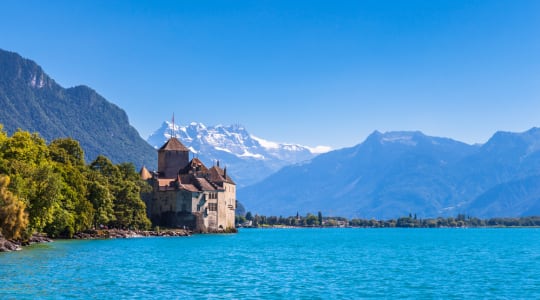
[410, 221]
[13, 217]
[49, 188]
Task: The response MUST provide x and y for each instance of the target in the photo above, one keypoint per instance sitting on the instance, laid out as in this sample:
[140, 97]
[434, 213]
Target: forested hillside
[32, 101]
[393, 174]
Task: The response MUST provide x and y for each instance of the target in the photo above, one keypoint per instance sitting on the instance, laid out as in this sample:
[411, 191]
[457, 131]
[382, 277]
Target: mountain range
[34, 102]
[248, 158]
[388, 175]
[396, 173]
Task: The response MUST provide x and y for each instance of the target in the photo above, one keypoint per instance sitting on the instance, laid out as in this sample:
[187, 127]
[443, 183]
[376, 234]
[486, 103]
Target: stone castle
[187, 194]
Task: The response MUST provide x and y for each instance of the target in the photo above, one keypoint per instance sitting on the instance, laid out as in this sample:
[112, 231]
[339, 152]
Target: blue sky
[310, 72]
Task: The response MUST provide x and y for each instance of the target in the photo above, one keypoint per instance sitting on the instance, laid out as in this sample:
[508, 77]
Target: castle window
[212, 206]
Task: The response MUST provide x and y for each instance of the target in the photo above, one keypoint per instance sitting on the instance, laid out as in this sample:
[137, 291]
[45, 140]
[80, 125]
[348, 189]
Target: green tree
[125, 186]
[320, 218]
[101, 198]
[44, 195]
[3, 139]
[68, 157]
[13, 217]
[60, 194]
[129, 209]
[239, 219]
[67, 151]
[311, 220]
[25, 147]
[32, 175]
[105, 167]
[256, 220]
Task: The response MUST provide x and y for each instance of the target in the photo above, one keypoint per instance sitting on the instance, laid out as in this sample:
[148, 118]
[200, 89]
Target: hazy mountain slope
[505, 157]
[387, 175]
[32, 101]
[397, 173]
[515, 198]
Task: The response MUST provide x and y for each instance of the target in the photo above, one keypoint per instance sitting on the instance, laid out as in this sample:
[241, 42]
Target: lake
[341, 263]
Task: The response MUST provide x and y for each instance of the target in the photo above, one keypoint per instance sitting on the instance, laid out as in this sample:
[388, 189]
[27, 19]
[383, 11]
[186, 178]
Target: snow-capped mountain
[247, 157]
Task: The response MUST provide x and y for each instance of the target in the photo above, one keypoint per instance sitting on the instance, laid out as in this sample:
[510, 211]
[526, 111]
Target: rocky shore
[119, 233]
[7, 245]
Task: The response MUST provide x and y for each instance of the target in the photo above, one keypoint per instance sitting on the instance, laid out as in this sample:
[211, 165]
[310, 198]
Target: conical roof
[173, 144]
[145, 174]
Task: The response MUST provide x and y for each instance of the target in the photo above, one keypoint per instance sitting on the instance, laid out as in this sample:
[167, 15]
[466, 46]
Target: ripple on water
[284, 263]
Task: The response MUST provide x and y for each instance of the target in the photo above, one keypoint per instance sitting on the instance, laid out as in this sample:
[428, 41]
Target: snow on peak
[290, 147]
[232, 139]
[400, 137]
[266, 144]
[199, 126]
[249, 157]
[249, 154]
[320, 149]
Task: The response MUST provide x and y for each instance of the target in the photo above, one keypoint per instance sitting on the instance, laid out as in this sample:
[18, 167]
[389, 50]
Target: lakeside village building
[187, 194]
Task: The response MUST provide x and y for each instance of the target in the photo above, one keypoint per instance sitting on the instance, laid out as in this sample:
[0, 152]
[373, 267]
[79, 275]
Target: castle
[187, 194]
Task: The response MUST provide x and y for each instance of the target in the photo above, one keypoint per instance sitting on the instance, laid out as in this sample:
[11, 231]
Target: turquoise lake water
[343, 263]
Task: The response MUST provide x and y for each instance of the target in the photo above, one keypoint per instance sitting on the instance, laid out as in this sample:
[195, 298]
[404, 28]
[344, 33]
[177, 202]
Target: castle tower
[172, 157]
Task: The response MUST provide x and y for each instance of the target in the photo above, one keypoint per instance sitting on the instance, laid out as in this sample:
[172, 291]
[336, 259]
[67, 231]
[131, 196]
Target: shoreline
[121, 233]
[9, 245]
[387, 227]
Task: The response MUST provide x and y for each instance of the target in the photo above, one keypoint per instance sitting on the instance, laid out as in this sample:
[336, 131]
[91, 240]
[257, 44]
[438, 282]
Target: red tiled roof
[173, 144]
[195, 165]
[217, 174]
[203, 184]
[189, 187]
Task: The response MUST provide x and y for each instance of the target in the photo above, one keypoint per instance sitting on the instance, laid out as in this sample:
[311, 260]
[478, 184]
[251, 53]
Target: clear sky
[310, 72]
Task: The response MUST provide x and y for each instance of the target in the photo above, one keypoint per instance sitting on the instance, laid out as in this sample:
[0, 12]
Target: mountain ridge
[387, 175]
[393, 174]
[33, 101]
